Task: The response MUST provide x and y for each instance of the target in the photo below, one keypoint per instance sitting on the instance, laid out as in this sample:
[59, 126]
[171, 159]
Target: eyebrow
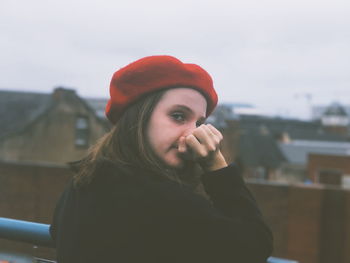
[184, 107]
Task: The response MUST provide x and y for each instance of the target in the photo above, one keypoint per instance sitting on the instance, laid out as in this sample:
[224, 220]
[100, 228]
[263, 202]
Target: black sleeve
[179, 226]
[58, 213]
[233, 200]
[61, 217]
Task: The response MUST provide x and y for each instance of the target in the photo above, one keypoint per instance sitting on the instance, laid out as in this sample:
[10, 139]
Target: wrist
[219, 162]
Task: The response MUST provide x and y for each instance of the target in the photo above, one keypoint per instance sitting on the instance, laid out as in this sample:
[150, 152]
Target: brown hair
[127, 146]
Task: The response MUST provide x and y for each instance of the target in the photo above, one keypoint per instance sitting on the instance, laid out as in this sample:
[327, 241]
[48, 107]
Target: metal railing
[38, 234]
[25, 231]
[280, 260]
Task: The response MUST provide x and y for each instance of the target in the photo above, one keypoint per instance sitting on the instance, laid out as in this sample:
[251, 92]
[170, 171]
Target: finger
[214, 138]
[197, 148]
[215, 131]
[182, 148]
[205, 137]
[209, 131]
[201, 134]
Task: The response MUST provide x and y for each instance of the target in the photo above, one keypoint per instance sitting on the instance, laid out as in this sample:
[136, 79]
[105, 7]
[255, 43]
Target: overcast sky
[280, 55]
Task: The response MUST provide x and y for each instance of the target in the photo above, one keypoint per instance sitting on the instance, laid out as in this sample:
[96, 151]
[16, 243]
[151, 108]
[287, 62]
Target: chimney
[60, 93]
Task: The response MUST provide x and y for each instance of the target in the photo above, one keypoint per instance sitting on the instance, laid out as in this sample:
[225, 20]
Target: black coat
[136, 218]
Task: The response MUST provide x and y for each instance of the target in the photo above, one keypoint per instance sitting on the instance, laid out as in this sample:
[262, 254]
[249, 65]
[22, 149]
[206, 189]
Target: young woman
[156, 188]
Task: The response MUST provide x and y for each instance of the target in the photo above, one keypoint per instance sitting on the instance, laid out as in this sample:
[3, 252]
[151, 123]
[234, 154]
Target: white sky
[270, 53]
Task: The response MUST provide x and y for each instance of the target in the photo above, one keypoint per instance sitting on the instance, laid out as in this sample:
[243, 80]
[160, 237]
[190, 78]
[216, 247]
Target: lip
[173, 147]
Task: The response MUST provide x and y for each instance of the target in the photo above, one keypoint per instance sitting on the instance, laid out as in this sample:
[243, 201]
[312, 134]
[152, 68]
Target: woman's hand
[203, 146]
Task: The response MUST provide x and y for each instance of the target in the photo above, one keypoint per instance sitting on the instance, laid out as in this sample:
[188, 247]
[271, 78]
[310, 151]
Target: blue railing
[280, 260]
[38, 234]
[24, 231]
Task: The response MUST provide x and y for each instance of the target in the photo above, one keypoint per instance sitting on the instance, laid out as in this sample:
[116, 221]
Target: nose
[189, 128]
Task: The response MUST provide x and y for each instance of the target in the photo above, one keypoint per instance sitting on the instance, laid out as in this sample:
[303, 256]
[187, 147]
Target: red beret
[154, 73]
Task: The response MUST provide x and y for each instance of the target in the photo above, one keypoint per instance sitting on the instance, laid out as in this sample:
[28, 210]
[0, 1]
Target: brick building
[277, 149]
[329, 169]
[50, 128]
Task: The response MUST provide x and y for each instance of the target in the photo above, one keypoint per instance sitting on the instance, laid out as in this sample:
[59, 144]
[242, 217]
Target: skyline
[282, 57]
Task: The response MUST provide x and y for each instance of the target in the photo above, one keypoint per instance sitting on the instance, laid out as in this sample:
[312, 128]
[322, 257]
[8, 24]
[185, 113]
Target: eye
[178, 116]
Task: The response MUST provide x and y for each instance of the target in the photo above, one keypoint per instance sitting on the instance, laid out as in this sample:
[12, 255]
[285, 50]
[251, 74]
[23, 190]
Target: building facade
[49, 128]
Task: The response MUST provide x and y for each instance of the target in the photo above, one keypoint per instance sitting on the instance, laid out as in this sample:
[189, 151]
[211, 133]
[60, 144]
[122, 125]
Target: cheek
[154, 135]
[161, 138]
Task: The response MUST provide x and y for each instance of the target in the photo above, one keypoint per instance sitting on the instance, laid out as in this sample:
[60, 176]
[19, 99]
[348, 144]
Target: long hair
[127, 146]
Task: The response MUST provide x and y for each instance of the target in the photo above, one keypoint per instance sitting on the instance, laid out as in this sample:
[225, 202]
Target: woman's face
[177, 114]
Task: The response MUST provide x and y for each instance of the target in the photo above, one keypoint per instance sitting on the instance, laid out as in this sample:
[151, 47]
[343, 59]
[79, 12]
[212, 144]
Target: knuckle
[196, 132]
[202, 153]
[217, 140]
[189, 138]
[211, 148]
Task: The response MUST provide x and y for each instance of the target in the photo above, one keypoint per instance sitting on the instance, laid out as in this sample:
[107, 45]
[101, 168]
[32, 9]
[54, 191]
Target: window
[346, 181]
[81, 131]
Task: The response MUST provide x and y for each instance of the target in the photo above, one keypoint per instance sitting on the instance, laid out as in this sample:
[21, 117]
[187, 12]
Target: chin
[175, 163]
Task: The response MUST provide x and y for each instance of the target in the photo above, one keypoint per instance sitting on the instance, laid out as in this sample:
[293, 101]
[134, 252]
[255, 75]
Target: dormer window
[335, 115]
[335, 120]
[81, 131]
